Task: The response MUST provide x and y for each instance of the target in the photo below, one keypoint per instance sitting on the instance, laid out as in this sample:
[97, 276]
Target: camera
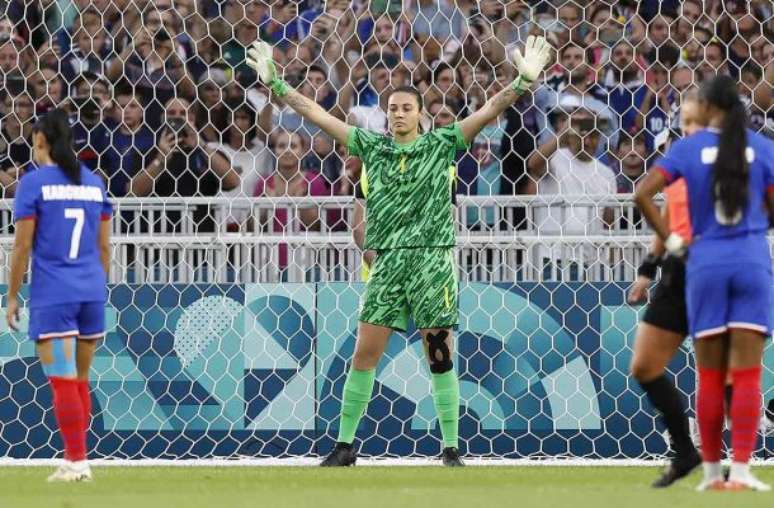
[175, 124]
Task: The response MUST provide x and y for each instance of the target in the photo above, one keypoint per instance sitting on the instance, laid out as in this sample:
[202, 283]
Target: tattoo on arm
[297, 101]
[505, 98]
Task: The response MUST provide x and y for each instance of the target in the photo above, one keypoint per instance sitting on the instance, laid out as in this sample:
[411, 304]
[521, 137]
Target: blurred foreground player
[63, 220]
[729, 175]
[664, 325]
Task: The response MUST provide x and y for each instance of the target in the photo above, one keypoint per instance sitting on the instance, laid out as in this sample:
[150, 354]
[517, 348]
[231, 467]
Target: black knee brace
[436, 347]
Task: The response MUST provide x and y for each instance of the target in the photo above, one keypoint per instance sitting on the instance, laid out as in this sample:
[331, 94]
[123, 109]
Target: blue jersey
[718, 239]
[66, 266]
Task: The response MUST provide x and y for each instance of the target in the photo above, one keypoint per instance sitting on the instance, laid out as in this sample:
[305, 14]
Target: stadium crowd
[164, 105]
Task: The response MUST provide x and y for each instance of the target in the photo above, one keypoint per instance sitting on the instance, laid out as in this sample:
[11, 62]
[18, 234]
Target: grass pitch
[365, 487]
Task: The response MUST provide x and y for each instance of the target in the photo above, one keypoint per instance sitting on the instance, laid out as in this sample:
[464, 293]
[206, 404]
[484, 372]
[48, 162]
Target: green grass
[366, 487]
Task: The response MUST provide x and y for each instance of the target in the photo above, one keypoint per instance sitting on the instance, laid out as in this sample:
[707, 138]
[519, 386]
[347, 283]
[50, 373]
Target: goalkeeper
[408, 183]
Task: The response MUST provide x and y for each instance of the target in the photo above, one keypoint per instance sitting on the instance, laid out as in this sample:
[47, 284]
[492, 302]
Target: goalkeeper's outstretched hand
[259, 58]
[537, 51]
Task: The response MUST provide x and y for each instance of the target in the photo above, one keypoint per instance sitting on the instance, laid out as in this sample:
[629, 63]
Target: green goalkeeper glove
[259, 59]
[536, 54]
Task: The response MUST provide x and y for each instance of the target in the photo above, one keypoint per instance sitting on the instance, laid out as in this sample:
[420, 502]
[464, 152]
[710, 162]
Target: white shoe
[748, 482]
[71, 472]
[707, 484]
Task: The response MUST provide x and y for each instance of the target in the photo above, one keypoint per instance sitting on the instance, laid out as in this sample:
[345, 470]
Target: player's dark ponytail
[730, 176]
[55, 127]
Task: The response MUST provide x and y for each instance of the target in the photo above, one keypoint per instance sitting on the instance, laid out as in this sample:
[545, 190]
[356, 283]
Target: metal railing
[165, 240]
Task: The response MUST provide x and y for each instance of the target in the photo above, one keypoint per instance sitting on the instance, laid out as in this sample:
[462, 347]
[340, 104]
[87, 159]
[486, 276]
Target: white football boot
[71, 472]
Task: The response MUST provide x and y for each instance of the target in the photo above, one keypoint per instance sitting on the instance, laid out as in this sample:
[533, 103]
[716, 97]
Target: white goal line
[362, 461]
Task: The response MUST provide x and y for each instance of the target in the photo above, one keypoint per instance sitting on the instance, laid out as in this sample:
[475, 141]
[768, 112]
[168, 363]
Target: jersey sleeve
[359, 141]
[450, 135]
[672, 164]
[26, 200]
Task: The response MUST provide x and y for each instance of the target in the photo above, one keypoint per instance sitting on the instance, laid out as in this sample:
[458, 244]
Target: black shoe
[342, 455]
[451, 457]
[680, 467]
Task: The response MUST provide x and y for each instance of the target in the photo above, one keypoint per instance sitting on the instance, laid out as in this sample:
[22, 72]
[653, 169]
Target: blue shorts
[728, 296]
[85, 320]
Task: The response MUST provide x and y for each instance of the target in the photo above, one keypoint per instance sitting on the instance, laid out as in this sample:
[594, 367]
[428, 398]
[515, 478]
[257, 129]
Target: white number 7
[75, 239]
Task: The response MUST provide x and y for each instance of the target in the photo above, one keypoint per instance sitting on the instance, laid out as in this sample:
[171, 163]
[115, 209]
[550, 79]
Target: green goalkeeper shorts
[416, 282]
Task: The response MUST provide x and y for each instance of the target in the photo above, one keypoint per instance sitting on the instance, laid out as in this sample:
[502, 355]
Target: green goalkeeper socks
[357, 393]
[446, 396]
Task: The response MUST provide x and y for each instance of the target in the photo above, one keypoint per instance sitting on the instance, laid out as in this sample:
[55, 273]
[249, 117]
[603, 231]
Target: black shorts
[667, 308]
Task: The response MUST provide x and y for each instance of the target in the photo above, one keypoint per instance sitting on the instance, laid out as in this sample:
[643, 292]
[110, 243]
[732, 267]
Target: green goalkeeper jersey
[409, 188]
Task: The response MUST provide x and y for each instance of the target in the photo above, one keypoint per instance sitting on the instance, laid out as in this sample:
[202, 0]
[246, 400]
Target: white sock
[739, 470]
[712, 470]
[79, 465]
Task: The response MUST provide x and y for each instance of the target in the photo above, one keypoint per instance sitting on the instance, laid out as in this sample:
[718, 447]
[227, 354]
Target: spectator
[565, 168]
[151, 64]
[656, 105]
[632, 155]
[445, 85]
[753, 94]
[570, 16]
[47, 89]
[372, 117]
[571, 57]
[210, 109]
[91, 134]
[183, 165]
[288, 180]
[90, 49]
[437, 20]
[16, 132]
[659, 30]
[625, 84]
[442, 114]
[130, 142]
[280, 28]
[247, 156]
[10, 58]
[234, 51]
[715, 60]
[693, 50]
[748, 30]
[661, 98]
[580, 91]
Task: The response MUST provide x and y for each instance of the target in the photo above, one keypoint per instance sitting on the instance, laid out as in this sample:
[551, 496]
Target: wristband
[674, 244]
[521, 85]
[649, 266]
[279, 87]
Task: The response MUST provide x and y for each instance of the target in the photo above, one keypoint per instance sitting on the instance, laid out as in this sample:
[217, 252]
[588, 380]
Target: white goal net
[235, 281]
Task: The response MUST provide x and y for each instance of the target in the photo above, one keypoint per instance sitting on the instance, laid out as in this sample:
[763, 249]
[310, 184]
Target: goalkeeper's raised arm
[259, 57]
[536, 55]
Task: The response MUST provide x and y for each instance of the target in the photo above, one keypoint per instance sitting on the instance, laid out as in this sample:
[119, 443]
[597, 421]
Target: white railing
[158, 240]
